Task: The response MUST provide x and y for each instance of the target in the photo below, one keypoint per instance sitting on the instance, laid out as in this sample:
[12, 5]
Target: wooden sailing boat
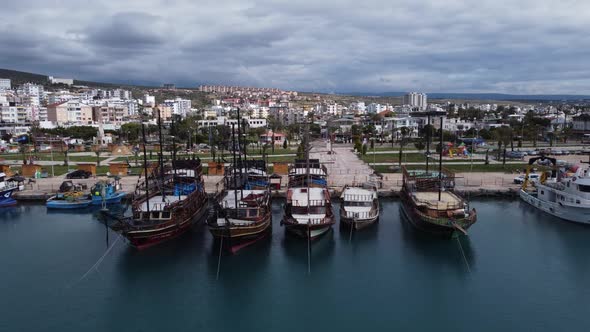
[430, 204]
[308, 211]
[242, 212]
[167, 201]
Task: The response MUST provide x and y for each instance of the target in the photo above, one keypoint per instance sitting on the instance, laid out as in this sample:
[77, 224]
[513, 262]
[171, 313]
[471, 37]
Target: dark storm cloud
[499, 46]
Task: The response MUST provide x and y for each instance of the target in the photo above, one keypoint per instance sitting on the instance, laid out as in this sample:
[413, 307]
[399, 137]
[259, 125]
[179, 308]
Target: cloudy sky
[517, 46]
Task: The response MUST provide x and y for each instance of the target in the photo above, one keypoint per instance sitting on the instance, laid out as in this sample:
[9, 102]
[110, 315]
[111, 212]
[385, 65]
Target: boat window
[166, 214]
[577, 201]
[155, 214]
[252, 212]
[562, 198]
[542, 192]
[584, 188]
[242, 213]
[568, 184]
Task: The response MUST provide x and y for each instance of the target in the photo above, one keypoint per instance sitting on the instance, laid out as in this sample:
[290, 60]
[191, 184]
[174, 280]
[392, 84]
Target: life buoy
[574, 179]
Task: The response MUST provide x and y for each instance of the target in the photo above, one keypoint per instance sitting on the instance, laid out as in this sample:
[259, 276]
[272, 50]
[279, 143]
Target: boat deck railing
[361, 215]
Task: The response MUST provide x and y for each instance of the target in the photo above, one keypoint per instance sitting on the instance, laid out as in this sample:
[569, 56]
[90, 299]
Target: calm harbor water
[522, 270]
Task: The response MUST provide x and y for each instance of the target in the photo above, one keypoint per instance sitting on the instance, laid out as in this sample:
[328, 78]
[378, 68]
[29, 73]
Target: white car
[532, 178]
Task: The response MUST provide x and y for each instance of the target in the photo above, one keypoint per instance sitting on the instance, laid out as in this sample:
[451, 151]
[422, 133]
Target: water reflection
[162, 257]
[571, 237]
[457, 253]
[296, 248]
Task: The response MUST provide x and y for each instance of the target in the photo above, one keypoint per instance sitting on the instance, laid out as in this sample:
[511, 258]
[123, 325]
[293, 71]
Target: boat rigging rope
[98, 262]
[463, 254]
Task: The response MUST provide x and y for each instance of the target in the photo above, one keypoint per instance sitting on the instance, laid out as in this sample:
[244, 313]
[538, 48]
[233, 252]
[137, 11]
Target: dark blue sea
[519, 270]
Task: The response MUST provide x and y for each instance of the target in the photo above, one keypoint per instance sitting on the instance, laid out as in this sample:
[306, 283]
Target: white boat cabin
[308, 205]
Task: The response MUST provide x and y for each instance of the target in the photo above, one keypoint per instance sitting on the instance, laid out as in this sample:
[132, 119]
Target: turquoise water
[522, 270]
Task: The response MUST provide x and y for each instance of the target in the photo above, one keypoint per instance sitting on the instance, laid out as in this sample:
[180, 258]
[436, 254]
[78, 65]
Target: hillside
[21, 77]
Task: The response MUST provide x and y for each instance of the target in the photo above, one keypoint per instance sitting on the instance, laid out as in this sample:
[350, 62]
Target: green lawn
[393, 157]
[57, 156]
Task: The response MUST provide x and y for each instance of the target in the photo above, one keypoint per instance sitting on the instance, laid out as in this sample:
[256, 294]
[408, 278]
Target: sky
[517, 47]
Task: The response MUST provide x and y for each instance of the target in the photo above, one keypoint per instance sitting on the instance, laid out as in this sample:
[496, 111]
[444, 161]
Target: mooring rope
[98, 262]
[463, 254]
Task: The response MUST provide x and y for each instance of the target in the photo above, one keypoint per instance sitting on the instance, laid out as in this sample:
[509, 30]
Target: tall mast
[145, 170]
[233, 134]
[440, 156]
[240, 156]
[307, 162]
[427, 142]
[173, 134]
[161, 157]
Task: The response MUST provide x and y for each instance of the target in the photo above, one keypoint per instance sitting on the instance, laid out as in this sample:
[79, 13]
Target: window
[584, 188]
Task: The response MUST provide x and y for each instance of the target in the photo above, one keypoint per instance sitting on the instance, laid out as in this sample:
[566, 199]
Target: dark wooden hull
[423, 223]
[234, 233]
[304, 230]
[358, 224]
[184, 218]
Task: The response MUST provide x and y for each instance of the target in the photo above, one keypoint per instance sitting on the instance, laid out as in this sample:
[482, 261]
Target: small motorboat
[69, 200]
[107, 193]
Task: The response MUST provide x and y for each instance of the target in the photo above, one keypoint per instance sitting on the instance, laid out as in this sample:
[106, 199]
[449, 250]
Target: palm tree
[504, 136]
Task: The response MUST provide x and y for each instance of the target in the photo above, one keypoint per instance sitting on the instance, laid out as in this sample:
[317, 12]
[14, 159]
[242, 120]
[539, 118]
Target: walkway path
[344, 167]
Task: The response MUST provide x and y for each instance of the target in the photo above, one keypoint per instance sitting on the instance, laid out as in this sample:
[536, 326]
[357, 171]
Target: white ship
[568, 198]
[360, 206]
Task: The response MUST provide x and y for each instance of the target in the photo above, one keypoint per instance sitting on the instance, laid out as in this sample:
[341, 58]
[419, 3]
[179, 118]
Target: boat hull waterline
[573, 214]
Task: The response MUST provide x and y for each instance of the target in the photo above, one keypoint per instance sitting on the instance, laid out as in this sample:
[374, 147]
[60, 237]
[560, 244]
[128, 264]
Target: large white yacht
[567, 198]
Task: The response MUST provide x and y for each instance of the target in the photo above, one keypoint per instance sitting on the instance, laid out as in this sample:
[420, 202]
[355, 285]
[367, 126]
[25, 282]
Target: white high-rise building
[179, 106]
[416, 100]
[5, 84]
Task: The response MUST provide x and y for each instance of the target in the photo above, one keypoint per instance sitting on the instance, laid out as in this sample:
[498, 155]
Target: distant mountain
[478, 96]
[21, 77]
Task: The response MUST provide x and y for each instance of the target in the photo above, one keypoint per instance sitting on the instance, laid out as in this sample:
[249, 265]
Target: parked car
[79, 174]
[532, 178]
[532, 152]
[515, 154]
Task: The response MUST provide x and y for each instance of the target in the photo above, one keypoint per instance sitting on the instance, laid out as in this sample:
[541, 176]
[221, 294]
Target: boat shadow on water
[457, 253]
[164, 256]
[358, 237]
[296, 248]
[246, 264]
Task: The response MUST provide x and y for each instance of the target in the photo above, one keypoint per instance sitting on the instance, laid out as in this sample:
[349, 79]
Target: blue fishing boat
[7, 187]
[107, 193]
[69, 200]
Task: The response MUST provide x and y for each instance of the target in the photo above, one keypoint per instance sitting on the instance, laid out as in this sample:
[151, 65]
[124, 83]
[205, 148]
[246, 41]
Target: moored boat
[567, 198]
[7, 188]
[167, 201]
[359, 206]
[165, 207]
[69, 200]
[242, 211]
[430, 204]
[104, 192]
[308, 212]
